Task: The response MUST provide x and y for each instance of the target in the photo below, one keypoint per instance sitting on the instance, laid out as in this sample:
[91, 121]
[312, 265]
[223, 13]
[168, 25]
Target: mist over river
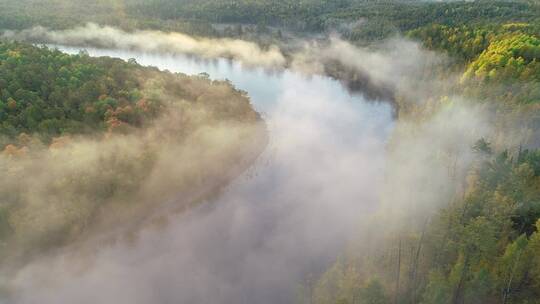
[289, 216]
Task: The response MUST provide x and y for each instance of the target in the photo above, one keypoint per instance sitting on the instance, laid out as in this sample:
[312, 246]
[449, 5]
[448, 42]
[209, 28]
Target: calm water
[287, 218]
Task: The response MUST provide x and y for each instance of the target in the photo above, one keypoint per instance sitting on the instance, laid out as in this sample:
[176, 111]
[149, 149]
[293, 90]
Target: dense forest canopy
[499, 62]
[481, 246]
[355, 19]
[50, 93]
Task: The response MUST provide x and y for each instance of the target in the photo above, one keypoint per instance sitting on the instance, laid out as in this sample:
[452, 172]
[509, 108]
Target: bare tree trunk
[410, 266]
[398, 273]
[458, 290]
[416, 262]
[310, 289]
[509, 284]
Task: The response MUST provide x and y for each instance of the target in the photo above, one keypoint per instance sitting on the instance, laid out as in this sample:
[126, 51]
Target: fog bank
[378, 72]
[154, 41]
[283, 219]
[333, 162]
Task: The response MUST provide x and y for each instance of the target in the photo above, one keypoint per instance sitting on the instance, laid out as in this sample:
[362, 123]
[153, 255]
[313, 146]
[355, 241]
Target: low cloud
[92, 34]
[378, 71]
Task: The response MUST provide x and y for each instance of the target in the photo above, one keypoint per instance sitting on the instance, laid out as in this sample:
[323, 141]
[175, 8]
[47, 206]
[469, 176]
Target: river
[285, 219]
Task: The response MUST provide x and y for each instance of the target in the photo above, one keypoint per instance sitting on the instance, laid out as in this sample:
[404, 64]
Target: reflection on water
[263, 86]
[287, 217]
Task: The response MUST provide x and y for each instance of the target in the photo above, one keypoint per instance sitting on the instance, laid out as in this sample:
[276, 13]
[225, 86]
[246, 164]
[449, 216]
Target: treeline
[372, 20]
[356, 20]
[62, 14]
[299, 15]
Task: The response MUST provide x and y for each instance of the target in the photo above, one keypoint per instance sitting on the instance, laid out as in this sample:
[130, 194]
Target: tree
[373, 293]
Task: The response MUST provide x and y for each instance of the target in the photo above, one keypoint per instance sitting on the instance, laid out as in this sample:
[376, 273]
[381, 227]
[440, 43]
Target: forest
[49, 93]
[358, 20]
[66, 120]
[483, 245]
[477, 242]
